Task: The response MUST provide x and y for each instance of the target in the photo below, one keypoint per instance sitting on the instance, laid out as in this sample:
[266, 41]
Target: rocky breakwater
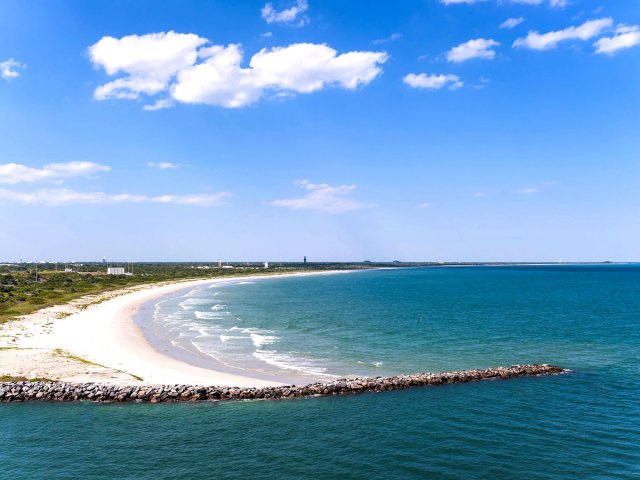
[59, 391]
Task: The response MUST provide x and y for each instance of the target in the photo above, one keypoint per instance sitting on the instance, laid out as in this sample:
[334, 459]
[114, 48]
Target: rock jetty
[60, 391]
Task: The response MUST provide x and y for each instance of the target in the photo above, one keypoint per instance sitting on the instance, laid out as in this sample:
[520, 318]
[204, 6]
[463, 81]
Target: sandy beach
[95, 338]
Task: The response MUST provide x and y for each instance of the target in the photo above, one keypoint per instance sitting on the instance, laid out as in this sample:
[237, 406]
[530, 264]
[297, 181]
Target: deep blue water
[582, 425]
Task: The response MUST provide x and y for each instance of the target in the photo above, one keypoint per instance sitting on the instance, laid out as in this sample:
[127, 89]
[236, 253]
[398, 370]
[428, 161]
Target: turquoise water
[582, 425]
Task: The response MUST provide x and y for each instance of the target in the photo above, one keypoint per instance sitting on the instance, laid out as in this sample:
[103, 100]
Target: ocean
[381, 322]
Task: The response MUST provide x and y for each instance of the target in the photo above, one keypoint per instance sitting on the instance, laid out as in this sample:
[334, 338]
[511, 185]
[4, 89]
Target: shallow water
[582, 425]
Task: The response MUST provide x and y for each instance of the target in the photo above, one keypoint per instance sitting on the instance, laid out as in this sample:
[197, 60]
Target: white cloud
[537, 188]
[9, 69]
[478, 48]
[12, 173]
[323, 198]
[433, 82]
[191, 73]
[547, 41]
[299, 68]
[482, 83]
[59, 197]
[164, 165]
[160, 104]
[528, 190]
[511, 22]
[150, 62]
[552, 3]
[425, 205]
[200, 199]
[392, 38]
[291, 15]
[626, 36]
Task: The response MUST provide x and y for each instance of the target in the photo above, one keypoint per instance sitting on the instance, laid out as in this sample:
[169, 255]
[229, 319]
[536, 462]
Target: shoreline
[100, 334]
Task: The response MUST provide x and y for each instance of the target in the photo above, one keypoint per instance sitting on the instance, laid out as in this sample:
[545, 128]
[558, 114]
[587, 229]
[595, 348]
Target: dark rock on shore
[59, 391]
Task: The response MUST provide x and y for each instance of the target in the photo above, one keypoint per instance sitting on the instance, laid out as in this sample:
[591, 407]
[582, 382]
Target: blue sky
[414, 130]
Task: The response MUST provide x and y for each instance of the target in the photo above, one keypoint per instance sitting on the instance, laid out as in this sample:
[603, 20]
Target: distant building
[227, 266]
[104, 259]
[266, 264]
[219, 263]
[305, 259]
[115, 271]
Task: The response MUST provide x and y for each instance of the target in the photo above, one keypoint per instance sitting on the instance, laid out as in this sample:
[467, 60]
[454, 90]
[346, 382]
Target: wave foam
[190, 303]
[260, 340]
[210, 315]
[287, 362]
[226, 338]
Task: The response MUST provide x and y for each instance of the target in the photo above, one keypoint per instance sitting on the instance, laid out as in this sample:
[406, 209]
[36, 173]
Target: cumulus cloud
[547, 41]
[149, 61]
[299, 68]
[9, 69]
[478, 48]
[292, 15]
[323, 198]
[12, 173]
[60, 197]
[433, 82]
[180, 65]
[626, 36]
[164, 165]
[511, 22]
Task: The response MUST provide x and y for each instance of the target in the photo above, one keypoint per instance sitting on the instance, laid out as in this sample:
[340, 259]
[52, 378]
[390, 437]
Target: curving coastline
[101, 331]
[106, 393]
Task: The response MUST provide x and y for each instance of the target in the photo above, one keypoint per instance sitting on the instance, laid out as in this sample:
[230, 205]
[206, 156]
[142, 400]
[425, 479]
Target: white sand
[105, 334]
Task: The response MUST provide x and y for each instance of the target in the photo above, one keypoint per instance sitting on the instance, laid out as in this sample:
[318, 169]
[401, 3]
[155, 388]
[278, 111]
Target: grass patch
[14, 378]
[11, 378]
[62, 353]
